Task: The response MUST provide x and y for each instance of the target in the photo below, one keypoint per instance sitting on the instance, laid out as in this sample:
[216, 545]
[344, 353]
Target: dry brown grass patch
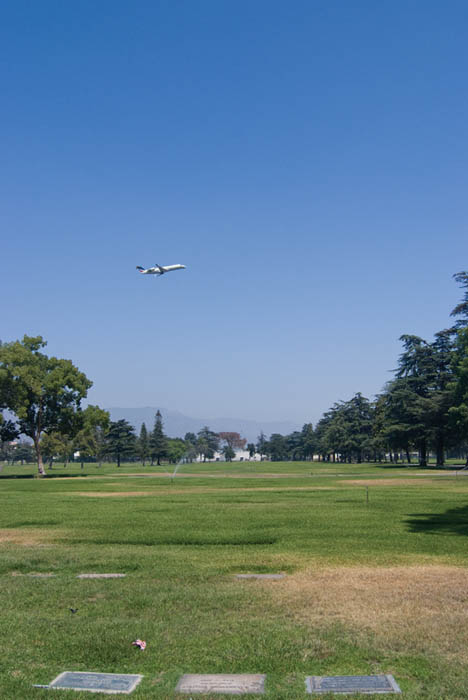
[385, 482]
[198, 490]
[27, 537]
[110, 494]
[407, 607]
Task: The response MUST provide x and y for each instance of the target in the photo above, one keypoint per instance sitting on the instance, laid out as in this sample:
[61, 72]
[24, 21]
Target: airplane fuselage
[160, 269]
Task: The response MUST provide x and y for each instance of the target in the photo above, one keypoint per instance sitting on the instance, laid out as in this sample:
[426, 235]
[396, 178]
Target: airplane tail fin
[138, 267]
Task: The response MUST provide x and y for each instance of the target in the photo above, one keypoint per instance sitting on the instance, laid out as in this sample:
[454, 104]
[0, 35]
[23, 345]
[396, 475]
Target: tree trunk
[408, 456]
[40, 464]
[440, 458]
[423, 453]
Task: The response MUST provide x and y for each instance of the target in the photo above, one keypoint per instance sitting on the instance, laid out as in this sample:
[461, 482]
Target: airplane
[159, 269]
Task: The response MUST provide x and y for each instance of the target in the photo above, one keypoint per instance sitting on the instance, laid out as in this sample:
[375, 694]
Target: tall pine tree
[143, 444]
[158, 441]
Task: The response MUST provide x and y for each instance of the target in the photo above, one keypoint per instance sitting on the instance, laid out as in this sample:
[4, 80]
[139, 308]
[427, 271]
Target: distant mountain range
[176, 424]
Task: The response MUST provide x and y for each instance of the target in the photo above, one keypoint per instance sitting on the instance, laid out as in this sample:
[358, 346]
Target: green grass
[181, 542]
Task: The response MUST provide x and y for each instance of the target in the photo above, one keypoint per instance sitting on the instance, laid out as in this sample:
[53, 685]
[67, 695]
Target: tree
[121, 440]
[309, 441]
[50, 446]
[252, 449]
[207, 443]
[417, 402]
[262, 444]
[8, 431]
[158, 441]
[294, 447]
[23, 452]
[90, 439]
[232, 441]
[65, 447]
[461, 309]
[176, 450]
[428, 367]
[191, 449]
[346, 430]
[43, 392]
[143, 446]
[458, 412]
[276, 447]
[228, 453]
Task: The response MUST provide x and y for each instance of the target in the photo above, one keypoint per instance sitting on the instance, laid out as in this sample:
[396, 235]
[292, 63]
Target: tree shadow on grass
[36, 476]
[453, 522]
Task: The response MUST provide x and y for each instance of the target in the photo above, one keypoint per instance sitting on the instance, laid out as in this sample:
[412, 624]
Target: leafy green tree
[252, 449]
[207, 443]
[50, 446]
[158, 441]
[276, 447]
[121, 440]
[346, 430]
[308, 441]
[66, 448]
[24, 453]
[8, 431]
[228, 453]
[262, 444]
[294, 446]
[426, 371]
[322, 435]
[191, 449]
[90, 440]
[43, 392]
[458, 412]
[176, 450]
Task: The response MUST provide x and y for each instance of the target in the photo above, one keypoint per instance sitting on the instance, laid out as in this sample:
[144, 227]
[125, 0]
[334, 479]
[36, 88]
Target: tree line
[423, 409]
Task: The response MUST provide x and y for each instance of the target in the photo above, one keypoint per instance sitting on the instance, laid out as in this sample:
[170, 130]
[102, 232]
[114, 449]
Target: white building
[239, 456]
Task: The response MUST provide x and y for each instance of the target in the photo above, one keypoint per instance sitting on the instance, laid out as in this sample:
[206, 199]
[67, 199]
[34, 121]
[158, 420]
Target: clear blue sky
[306, 160]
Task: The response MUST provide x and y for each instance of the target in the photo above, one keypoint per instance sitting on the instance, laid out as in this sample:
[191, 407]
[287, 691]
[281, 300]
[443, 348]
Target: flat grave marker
[110, 683]
[271, 577]
[229, 683]
[384, 683]
[101, 575]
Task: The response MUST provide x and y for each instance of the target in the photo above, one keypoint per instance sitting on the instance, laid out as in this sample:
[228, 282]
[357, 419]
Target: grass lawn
[372, 586]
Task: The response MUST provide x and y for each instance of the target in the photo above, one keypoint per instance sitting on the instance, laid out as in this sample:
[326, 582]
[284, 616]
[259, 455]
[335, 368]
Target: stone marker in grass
[228, 683]
[110, 683]
[271, 577]
[101, 575]
[352, 684]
